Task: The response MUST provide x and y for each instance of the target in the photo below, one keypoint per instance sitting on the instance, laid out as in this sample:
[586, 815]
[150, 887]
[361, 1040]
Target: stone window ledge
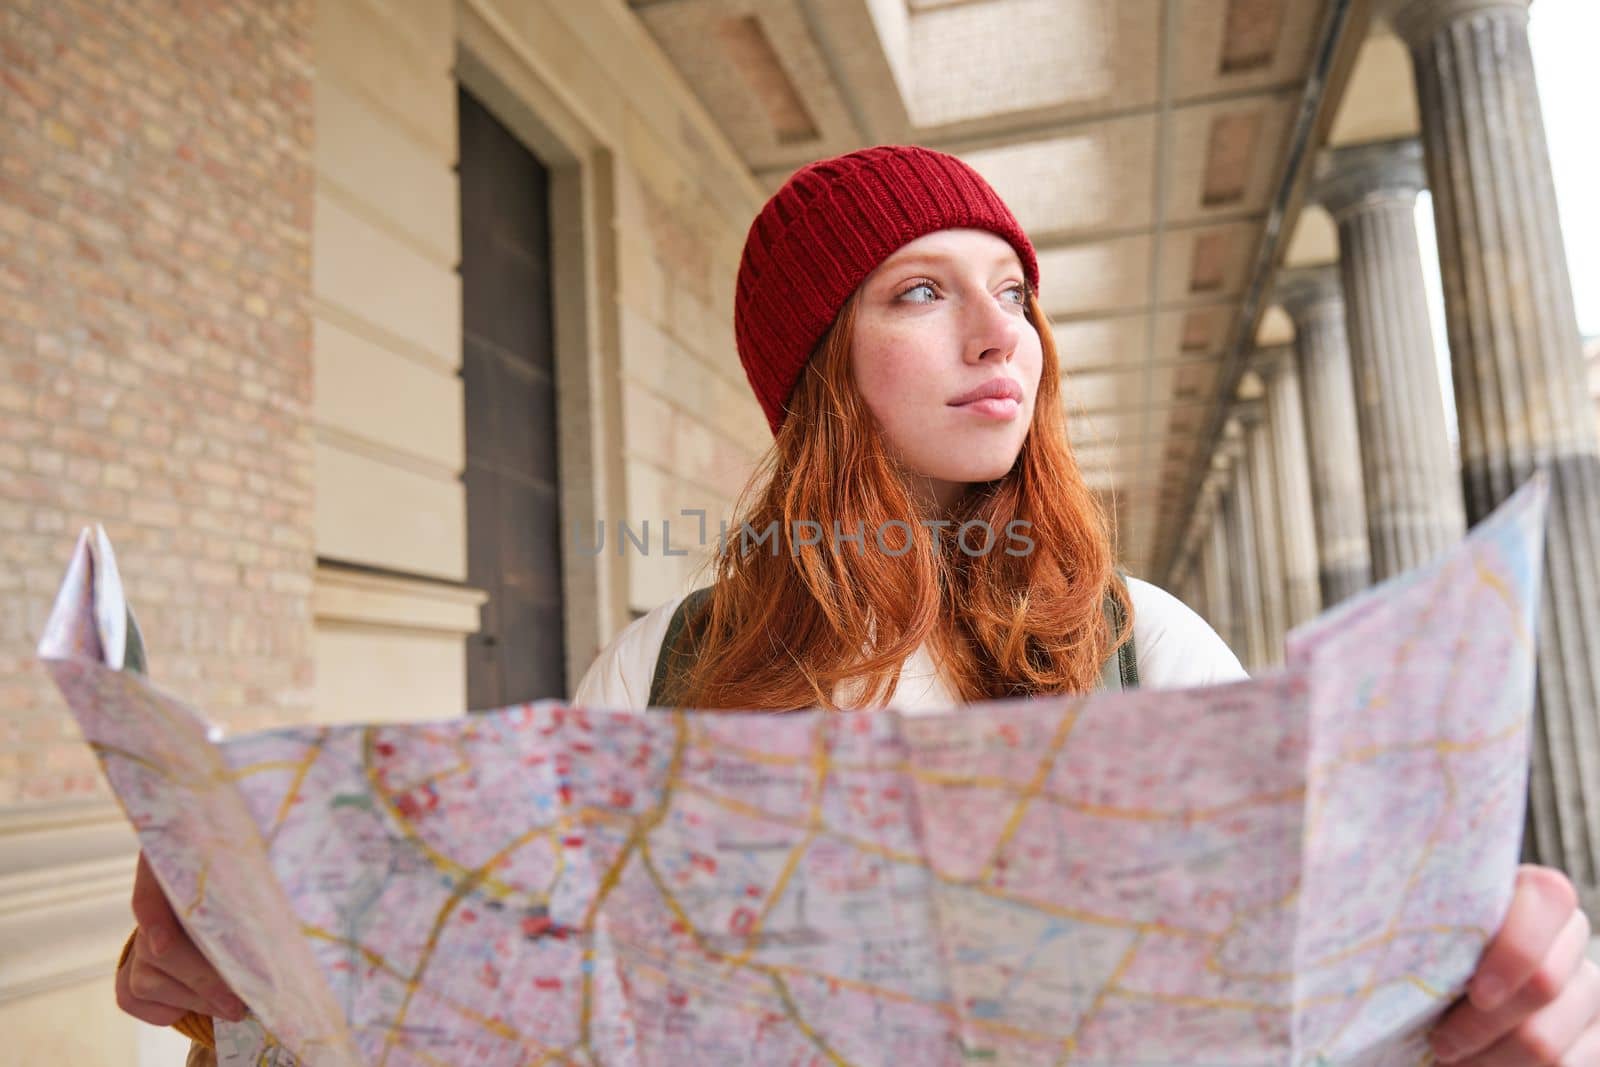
[65, 875]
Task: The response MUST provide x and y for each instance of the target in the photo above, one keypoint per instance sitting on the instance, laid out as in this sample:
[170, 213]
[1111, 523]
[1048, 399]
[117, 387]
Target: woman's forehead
[966, 247]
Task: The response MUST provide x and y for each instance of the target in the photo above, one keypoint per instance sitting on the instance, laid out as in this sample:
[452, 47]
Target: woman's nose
[995, 333]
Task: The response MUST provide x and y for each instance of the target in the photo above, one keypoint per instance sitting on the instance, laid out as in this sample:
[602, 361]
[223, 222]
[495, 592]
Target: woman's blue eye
[1018, 294]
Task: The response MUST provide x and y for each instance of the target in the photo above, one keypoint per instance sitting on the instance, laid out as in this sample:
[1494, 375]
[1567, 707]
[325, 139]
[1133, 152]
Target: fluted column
[1194, 587]
[1413, 492]
[1302, 598]
[1522, 397]
[1229, 533]
[1249, 635]
[1314, 299]
[1212, 551]
[1261, 465]
[1214, 547]
[1192, 557]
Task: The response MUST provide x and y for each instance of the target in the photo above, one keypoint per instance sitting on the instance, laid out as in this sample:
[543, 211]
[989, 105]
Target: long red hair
[784, 628]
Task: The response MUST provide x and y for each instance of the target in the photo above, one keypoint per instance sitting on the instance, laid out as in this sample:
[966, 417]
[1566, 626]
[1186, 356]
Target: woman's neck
[934, 499]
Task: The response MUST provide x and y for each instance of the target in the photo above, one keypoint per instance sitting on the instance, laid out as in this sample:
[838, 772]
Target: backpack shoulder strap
[1120, 671]
[677, 649]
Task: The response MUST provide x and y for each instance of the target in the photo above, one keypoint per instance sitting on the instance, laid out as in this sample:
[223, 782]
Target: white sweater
[1175, 648]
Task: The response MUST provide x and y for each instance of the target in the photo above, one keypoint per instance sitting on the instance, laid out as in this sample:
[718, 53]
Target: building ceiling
[1143, 144]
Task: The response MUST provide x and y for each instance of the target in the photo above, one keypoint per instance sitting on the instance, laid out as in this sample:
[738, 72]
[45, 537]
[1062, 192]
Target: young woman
[920, 536]
[887, 317]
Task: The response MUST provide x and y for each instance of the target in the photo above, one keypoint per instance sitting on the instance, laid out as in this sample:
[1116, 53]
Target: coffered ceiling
[1144, 144]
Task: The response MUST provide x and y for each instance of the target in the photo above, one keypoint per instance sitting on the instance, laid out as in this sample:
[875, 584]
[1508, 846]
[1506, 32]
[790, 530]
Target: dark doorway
[508, 375]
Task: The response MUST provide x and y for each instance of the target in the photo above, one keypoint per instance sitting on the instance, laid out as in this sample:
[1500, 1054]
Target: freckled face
[945, 358]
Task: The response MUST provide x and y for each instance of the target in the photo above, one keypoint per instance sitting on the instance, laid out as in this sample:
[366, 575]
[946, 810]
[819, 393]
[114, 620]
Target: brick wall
[155, 220]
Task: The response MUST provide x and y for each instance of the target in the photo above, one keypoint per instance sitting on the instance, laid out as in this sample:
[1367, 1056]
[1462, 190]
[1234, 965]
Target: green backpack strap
[677, 650]
[1120, 671]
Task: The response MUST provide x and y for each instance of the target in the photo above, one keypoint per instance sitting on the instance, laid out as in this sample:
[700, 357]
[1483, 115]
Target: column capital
[1347, 178]
[1250, 412]
[1268, 360]
[1416, 21]
[1306, 291]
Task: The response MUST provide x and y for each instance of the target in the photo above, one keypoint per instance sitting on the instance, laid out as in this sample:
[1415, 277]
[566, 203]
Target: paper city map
[1298, 869]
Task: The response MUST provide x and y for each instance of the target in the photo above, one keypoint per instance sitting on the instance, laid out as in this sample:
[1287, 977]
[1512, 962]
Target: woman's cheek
[896, 378]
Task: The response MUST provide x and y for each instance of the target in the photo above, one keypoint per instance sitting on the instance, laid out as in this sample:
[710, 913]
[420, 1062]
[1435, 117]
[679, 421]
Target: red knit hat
[830, 226]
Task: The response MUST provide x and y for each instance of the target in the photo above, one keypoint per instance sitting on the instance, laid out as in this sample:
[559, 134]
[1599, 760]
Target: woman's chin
[976, 468]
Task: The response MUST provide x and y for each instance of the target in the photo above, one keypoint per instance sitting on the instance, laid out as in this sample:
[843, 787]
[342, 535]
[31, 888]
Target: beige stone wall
[387, 407]
[63, 1025]
[650, 210]
[64, 873]
[155, 261]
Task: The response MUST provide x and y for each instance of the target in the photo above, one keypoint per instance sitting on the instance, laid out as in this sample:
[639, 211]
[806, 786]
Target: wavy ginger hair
[784, 629]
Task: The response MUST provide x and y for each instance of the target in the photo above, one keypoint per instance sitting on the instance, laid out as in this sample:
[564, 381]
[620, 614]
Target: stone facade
[155, 376]
[604, 103]
[230, 323]
[390, 519]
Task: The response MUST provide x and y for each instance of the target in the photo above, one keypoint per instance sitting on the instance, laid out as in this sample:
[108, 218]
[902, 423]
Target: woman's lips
[994, 407]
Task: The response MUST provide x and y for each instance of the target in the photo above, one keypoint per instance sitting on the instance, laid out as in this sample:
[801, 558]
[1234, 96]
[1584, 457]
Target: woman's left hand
[1535, 998]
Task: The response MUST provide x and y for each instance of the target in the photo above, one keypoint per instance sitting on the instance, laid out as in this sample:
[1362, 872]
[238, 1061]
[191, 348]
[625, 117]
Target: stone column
[1302, 598]
[1193, 589]
[1191, 556]
[1314, 300]
[1195, 584]
[1413, 491]
[1250, 635]
[1261, 464]
[1521, 394]
[1214, 547]
[1181, 583]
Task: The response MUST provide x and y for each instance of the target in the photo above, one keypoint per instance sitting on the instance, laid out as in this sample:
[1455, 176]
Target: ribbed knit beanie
[830, 226]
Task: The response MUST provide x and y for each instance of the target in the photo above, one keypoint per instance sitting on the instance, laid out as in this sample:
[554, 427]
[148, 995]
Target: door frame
[587, 328]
